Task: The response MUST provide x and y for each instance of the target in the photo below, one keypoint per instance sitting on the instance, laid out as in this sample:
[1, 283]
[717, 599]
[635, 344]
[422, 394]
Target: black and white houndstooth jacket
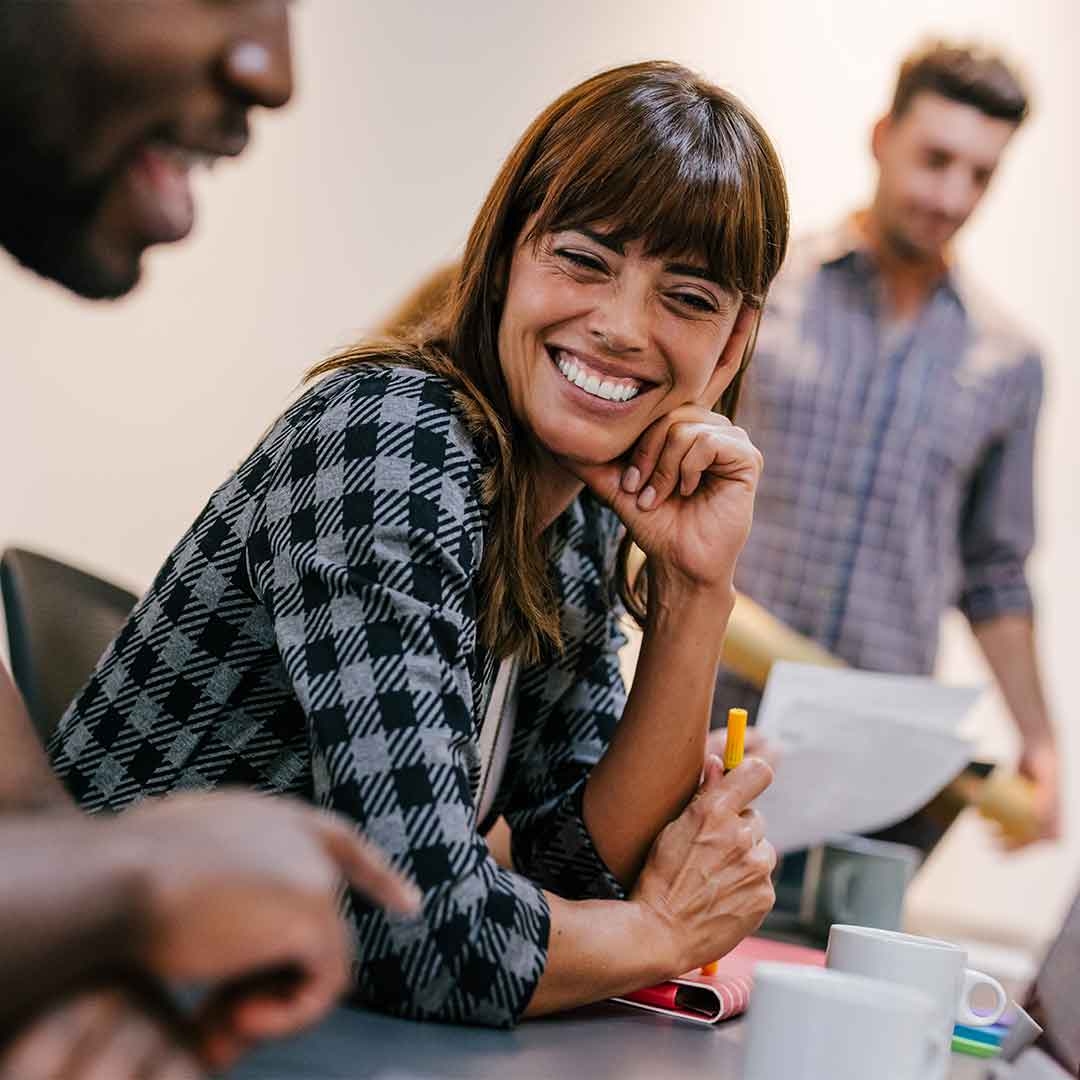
[315, 632]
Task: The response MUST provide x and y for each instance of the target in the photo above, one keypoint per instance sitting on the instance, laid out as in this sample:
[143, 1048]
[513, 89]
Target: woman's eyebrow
[690, 270]
[610, 241]
[613, 243]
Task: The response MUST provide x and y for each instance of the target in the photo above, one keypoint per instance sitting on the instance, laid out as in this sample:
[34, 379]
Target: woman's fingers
[754, 824]
[757, 745]
[735, 790]
[646, 451]
[674, 456]
[665, 474]
[725, 453]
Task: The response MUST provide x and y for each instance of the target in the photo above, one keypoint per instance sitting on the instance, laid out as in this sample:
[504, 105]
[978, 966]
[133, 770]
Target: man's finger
[249, 1011]
[366, 869]
[176, 1066]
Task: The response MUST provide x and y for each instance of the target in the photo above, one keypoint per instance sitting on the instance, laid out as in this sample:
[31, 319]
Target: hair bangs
[686, 182]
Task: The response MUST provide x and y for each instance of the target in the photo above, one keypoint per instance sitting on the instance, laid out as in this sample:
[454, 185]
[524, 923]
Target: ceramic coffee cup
[808, 1023]
[937, 968]
[854, 880]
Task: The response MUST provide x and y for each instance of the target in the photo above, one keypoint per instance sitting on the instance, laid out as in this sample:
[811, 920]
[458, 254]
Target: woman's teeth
[597, 386]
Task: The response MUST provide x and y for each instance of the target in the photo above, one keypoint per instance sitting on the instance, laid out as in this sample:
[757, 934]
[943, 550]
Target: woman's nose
[621, 324]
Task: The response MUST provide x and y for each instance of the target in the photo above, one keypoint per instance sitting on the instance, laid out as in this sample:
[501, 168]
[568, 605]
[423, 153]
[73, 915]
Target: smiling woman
[403, 604]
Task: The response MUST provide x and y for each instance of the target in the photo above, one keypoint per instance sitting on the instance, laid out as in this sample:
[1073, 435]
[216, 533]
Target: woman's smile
[601, 382]
[598, 338]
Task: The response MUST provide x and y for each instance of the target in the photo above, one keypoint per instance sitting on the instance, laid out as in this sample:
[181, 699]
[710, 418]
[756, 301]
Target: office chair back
[59, 622]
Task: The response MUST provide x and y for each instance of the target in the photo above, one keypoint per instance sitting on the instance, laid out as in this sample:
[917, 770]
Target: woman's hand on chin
[686, 496]
[707, 883]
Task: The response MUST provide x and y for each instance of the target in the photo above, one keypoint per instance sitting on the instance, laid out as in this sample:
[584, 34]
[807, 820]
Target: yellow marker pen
[733, 755]
[736, 738]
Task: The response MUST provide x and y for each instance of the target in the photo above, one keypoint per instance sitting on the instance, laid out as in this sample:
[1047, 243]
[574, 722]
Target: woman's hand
[707, 882]
[686, 493]
[756, 745]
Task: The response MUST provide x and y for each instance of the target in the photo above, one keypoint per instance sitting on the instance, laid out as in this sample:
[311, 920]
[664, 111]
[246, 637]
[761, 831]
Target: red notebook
[705, 999]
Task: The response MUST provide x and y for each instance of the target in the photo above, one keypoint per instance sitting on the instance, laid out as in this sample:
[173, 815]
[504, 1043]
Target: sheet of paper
[859, 751]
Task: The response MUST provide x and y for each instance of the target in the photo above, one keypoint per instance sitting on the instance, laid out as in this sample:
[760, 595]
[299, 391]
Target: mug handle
[839, 890]
[967, 1015]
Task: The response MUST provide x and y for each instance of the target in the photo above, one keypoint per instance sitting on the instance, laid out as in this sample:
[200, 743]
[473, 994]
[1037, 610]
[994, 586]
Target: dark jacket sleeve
[365, 554]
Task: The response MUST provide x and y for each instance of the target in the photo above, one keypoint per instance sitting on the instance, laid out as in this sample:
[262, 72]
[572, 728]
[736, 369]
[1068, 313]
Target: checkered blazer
[315, 632]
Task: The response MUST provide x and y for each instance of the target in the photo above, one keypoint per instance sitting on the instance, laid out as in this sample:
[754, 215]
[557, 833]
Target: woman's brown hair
[655, 153]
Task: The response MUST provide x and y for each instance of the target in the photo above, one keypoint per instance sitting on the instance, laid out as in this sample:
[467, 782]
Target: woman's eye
[696, 301]
[581, 258]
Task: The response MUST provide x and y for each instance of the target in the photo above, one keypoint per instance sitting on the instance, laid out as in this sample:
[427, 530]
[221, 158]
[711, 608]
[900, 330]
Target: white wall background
[116, 421]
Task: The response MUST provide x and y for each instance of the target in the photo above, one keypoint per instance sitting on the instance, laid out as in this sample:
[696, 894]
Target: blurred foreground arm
[231, 890]
[27, 782]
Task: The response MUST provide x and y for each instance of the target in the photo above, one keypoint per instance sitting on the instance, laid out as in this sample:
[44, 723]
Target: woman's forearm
[653, 765]
[599, 949]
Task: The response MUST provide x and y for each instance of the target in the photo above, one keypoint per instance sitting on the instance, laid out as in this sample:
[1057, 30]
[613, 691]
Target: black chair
[59, 622]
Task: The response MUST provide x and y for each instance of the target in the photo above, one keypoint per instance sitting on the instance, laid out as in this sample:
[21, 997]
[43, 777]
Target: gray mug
[861, 882]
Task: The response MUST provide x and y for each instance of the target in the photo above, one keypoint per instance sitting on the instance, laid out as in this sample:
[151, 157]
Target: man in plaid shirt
[896, 408]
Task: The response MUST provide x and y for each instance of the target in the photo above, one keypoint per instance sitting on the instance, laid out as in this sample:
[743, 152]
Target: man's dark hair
[967, 74]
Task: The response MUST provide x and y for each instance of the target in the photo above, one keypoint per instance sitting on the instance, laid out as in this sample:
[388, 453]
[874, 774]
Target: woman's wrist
[674, 596]
[660, 941]
[600, 949]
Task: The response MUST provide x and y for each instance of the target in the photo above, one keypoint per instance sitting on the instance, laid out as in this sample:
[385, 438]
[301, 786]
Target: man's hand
[1008, 642]
[1039, 765]
[27, 782]
[99, 1035]
[242, 894]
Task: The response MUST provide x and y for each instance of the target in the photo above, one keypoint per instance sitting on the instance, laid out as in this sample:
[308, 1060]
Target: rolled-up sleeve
[550, 840]
[365, 554]
[997, 529]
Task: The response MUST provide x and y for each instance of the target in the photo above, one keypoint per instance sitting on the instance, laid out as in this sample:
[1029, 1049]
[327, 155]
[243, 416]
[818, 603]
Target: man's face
[936, 161]
[105, 107]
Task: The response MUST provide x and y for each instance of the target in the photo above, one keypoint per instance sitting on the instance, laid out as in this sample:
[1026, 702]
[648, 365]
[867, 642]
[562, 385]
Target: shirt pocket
[960, 426]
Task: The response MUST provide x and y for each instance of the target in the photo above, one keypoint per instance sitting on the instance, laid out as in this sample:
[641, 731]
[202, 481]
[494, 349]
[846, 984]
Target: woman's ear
[734, 352]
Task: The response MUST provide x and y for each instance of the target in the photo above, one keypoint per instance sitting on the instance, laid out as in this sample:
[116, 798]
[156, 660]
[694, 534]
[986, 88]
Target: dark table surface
[598, 1043]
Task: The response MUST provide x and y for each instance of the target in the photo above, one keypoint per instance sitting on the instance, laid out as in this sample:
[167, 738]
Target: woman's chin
[584, 456]
[582, 444]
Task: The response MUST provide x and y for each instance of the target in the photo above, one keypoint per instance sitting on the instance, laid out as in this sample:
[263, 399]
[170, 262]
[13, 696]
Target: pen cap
[736, 738]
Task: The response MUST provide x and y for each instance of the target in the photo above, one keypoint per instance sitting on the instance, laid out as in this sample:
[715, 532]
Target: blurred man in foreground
[896, 407]
[105, 107]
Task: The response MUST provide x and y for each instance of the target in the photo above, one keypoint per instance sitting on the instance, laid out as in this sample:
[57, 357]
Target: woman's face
[597, 340]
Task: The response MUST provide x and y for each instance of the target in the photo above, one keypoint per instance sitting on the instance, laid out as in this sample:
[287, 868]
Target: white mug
[807, 1023]
[938, 968]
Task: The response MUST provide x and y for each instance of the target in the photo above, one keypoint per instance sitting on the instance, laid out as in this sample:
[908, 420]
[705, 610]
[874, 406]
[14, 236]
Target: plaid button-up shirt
[898, 462]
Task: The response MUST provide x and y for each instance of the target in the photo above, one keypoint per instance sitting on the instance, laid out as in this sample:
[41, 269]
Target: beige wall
[118, 420]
